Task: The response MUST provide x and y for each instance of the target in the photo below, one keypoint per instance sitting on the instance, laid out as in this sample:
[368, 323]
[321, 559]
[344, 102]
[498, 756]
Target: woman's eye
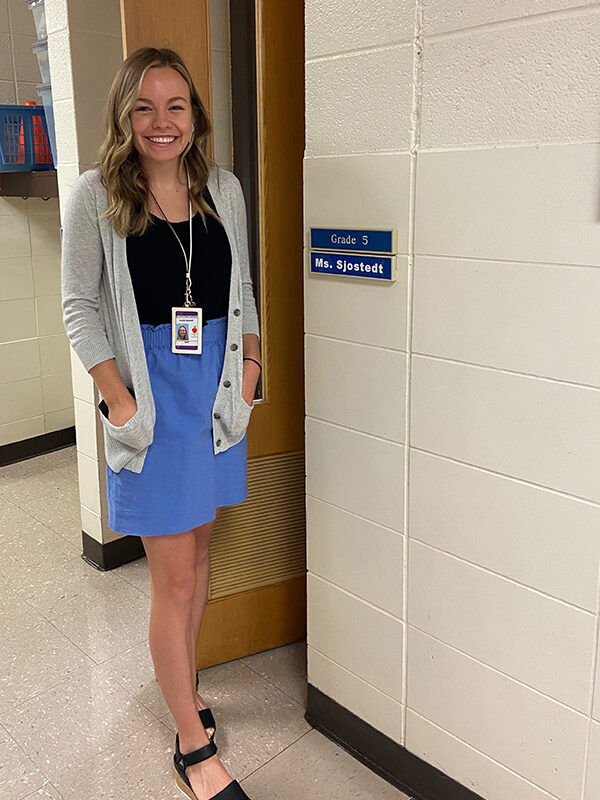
[147, 108]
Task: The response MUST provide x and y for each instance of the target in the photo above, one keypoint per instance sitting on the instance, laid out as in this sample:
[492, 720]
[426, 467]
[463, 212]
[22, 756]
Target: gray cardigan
[95, 275]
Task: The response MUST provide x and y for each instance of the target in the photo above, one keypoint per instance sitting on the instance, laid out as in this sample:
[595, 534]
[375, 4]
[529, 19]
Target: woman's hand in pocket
[250, 376]
[121, 412]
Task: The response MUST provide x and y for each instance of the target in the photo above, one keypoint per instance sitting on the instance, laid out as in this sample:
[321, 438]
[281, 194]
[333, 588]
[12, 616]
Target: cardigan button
[218, 442]
[227, 384]
[236, 311]
[216, 415]
[233, 347]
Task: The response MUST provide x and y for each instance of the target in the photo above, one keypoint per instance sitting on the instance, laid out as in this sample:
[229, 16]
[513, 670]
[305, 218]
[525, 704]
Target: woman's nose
[160, 119]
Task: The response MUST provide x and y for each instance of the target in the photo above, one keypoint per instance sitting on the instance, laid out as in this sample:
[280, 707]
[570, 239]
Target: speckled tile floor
[81, 715]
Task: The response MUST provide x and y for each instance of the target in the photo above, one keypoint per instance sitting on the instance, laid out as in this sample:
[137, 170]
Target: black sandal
[206, 718]
[233, 790]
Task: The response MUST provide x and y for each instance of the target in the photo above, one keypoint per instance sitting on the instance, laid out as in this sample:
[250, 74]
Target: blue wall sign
[354, 265]
[356, 241]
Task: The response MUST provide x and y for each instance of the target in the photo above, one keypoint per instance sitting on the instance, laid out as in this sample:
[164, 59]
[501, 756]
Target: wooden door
[183, 26]
[257, 598]
[257, 595]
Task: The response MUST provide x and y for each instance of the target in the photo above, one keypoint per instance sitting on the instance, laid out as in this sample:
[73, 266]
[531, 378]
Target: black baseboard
[36, 446]
[112, 554]
[394, 763]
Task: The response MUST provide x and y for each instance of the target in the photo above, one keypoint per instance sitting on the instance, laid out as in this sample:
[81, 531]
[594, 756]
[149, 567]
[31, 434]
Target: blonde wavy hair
[119, 163]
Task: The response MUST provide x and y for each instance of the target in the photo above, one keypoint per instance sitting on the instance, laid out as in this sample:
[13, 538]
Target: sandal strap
[201, 754]
[207, 718]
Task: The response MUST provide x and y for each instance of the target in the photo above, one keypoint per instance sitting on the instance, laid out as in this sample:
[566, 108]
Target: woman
[157, 232]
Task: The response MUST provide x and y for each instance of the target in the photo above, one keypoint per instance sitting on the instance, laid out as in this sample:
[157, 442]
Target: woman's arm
[250, 328]
[250, 316]
[251, 372]
[81, 270]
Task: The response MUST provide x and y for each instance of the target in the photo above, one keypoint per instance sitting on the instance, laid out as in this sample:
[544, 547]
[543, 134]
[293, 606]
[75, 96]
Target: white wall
[35, 397]
[85, 50]
[453, 467]
[220, 54]
[19, 70]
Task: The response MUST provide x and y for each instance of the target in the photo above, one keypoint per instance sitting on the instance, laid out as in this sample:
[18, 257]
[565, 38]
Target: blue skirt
[182, 482]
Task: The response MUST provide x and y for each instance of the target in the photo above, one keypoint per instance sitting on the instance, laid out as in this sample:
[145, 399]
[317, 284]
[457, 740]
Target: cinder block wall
[85, 50]
[453, 466]
[35, 395]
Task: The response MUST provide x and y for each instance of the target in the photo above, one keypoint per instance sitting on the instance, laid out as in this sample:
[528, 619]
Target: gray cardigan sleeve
[81, 270]
[250, 316]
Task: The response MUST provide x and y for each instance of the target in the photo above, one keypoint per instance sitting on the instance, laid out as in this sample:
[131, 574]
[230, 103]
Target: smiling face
[161, 117]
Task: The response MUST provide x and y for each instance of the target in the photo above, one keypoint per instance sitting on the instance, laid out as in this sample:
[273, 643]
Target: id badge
[186, 330]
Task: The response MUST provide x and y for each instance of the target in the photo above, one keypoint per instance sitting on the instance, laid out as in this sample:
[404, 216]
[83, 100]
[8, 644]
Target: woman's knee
[171, 562]
[175, 585]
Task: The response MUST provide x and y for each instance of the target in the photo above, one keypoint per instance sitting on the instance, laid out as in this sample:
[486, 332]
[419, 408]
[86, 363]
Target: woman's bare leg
[171, 559]
[202, 564]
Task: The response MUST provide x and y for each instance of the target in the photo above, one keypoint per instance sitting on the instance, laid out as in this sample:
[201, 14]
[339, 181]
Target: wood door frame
[244, 117]
[259, 599]
[271, 109]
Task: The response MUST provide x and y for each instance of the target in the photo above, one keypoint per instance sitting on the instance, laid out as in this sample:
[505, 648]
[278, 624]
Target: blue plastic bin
[45, 92]
[24, 140]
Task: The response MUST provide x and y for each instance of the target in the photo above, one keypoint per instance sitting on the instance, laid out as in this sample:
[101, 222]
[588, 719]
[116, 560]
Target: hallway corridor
[81, 715]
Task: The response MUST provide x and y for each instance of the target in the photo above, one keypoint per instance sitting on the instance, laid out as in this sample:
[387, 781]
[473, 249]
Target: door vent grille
[263, 540]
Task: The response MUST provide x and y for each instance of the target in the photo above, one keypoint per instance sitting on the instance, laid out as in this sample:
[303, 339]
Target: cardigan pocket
[242, 413]
[132, 433]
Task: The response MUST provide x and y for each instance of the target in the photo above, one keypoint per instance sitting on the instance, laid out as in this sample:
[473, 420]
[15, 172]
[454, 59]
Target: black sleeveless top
[157, 268]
